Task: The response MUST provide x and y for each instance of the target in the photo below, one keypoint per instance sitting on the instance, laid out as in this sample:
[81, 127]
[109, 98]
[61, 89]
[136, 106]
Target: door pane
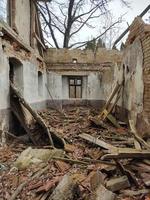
[78, 91]
[72, 91]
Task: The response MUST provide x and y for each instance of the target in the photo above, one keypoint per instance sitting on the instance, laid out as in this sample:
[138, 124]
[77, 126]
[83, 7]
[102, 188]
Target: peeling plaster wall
[96, 86]
[133, 76]
[136, 96]
[97, 71]
[55, 85]
[4, 80]
[28, 75]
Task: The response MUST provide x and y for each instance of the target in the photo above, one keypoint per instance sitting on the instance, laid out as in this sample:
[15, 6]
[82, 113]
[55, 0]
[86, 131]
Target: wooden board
[97, 141]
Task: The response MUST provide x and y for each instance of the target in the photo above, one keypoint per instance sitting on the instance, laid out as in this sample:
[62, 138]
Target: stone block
[116, 184]
[102, 193]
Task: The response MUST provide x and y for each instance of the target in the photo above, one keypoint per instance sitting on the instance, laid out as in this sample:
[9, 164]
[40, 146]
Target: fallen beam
[127, 153]
[97, 141]
[50, 133]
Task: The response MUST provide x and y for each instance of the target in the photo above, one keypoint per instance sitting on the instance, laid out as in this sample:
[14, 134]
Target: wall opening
[16, 77]
[75, 87]
[74, 60]
[40, 84]
[16, 73]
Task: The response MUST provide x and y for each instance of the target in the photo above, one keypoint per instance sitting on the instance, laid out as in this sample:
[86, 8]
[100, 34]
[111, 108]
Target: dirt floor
[82, 161]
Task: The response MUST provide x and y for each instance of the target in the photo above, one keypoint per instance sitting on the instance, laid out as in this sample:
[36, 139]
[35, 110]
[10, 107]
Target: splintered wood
[32, 123]
[97, 162]
[108, 108]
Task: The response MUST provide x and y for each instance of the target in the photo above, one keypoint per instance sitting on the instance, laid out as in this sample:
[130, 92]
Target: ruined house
[89, 163]
[57, 77]
[73, 76]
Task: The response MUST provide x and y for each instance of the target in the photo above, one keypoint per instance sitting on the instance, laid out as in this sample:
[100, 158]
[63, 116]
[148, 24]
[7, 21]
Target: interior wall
[133, 79]
[4, 88]
[96, 86]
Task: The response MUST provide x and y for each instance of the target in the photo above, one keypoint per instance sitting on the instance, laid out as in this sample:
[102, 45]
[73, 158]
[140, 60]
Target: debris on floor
[97, 162]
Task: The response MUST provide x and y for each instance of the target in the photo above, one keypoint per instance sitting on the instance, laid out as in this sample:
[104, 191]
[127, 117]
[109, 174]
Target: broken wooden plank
[132, 193]
[113, 120]
[17, 110]
[97, 141]
[127, 172]
[114, 91]
[71, 160]
[137, 144]
[97, 122]
[112, 106]
[138, 138]
[127, 153]
[33, 113]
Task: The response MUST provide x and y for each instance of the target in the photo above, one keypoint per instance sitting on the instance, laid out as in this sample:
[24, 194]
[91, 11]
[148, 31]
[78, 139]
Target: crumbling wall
[133, 78]
[28, 76]
[137, 67]
[16, 52]
[97, 72]
[4, 86]
[102, 55]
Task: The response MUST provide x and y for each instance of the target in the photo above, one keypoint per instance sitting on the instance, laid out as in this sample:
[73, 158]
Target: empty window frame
[8, 12]
[4, 10]
[75, 87]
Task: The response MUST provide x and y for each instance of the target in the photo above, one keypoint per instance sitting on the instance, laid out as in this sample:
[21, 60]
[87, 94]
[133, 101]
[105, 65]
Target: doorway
[15, 77]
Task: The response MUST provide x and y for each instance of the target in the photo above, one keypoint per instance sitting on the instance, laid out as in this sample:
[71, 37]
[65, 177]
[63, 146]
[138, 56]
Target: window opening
[40, 83]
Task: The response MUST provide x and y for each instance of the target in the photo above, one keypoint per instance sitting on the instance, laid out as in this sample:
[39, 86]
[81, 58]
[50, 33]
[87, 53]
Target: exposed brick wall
[142, 31]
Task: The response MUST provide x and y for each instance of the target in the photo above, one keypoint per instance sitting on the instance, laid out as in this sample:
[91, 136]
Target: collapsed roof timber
[90, 112]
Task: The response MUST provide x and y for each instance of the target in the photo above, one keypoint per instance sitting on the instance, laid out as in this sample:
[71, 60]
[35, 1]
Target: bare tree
[66, 18]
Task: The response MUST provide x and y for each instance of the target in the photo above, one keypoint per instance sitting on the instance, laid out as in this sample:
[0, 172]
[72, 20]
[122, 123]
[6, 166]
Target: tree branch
[81, 44]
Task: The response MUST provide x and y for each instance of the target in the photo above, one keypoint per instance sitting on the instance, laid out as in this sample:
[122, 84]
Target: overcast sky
[137, 6]
[118, 9]
[100, 24]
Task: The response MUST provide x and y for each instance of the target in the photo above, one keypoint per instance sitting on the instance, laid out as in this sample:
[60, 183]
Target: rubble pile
[98, 162]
